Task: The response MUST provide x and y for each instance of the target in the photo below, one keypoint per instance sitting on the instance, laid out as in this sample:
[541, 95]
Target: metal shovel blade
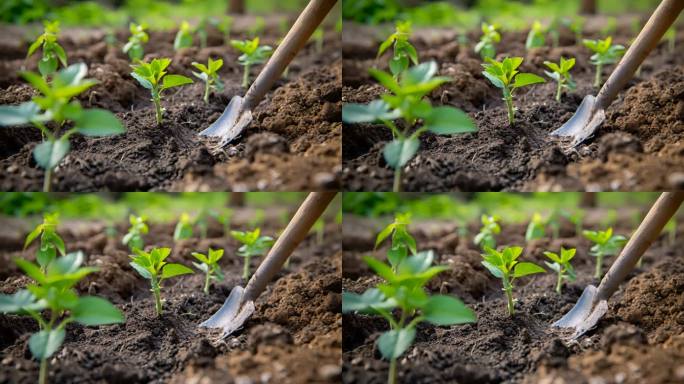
[232, 314]
[583, 316]
[231, 122]
[584, 122]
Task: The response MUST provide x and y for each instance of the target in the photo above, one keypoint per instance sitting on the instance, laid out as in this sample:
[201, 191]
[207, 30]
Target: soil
[640, 146]
[638, 341]
[297, 319]
[293, 142]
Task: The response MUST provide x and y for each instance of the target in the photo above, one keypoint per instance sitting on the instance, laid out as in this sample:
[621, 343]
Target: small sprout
[485, 47]
[55, 104]
[202, 32]
[402, 241]
[133, 239]
[553, 221]
[53, 290]
[535, 38]
[576, 217]
[604, 53]
[671, 230]
[317, 37]
[223, 217]
[50, 241]
[252, 245]
[257, 28]
[505, 266]
[224, 24]
[554, 31]
[490, 227]
[134, 46]
[258, 218]
[605, 244]
[610, 26]
[576, 24]
[319, 229]
[183, 37]
[183, 228]
[53, 53]
[407, 101]
[153, 267]
[202, 222]
[536, 228]
[153, 76]
[561, 265]
[403, 50]
[209, 265]
[505, 75]
[252, 54]
[209, 74]
[671, 37]
[561, 74]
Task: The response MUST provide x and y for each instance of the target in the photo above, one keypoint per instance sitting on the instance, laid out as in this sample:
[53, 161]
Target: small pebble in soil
[329, 371]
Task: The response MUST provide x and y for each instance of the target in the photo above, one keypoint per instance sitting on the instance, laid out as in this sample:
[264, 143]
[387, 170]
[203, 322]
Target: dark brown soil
[297, 320]
[301, 114]
[640, 146]
[638, 341]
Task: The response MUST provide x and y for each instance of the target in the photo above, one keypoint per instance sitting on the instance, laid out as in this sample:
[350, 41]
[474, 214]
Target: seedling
[604, 53]
[561, 74]
[53, 291]
[53, 53]
[209, 265]
[605, 244]
[486, 46]
[671, 37]
[209, 74]
[505, 75]
[402, 291]
[257, 28]
[404, 51]
[671, 230]
[223, 25]
[202, 32]
[183, 228]
[252, 54]
[133, 239]
[153, 76]
[609, 27]
[561, 265]
[153, 267]
[576, 217]
[258, 218]
[317, 37]
[554, 31]
[505, 266]
[406, 101]
[50, 241]
[319, 229]
[183, 37]
[134, 46]
[535, 229]
[576, 24]
[54, 104]
[535, 38]
[490, 227]
[402, 241]
[252, 245]
[553, 221]
[223, 217]
[202, 222]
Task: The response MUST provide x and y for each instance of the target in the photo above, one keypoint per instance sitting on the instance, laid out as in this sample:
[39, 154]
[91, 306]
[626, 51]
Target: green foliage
[202, 32]
[604, 53]
[671, 37]
[224, 24]
[486, 46]
[134, 46]
[258, 218]
[209, 265]
[406, 100]
[561, 74]
[605, 244]
[318, 37]
[209, 74]
[490, 227]
[535, 38]
[183, 37]
[252, 54]
[504, 265]
[152, 267]
[257, 28]
[402, 241]
[370, 11]
[153, 76]
[403, 51]
[576, 217]
[133, 238]
[505, 75]
[54, 104]
[183, 228]
[318, 228]
[576, 25]
[536, 228]
[252, 245]
[561, 265]
[223, 216]
[671, 230]
[53, 53]
[50, 241]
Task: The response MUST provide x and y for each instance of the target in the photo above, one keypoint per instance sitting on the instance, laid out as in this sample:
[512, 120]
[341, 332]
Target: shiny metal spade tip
[231, 122]
[232, 314]
[583, 317]
[584, 122]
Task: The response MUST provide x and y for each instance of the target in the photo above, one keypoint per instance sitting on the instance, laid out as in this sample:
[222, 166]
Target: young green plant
[535, 228]
[252, 54]
[605, 244]
[151, 266]
[486, 46]
[183, 36]
[54, 104]
[224, 24]
[134, 46]
[490, 227]
[576, 25]
[402, 241]
[153, 76]
[505, 75]
[257, 28]
[252, 245]
[209, 74]
[53, 53]
[535, 38]
[406, 101]
[209, 265]
[183, 228]
[317, 36]
[403, 51]
[604, 53]
[576, 217]
[223, 216]
[133, 238]
[561, 265]
[202, 32]
[504, 265]
[561, 74]
[50, 241]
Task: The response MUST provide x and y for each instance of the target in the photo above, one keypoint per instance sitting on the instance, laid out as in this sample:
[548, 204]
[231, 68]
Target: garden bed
[638, 341]
[640, 146]
[293, 142]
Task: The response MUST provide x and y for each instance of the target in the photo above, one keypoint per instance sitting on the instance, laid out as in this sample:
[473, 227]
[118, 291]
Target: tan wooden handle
[299, 34]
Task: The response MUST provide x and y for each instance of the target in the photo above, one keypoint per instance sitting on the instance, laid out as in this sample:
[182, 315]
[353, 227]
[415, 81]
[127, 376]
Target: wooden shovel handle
[299, 34]
[648, 38]
[296, 230]
[649, 229]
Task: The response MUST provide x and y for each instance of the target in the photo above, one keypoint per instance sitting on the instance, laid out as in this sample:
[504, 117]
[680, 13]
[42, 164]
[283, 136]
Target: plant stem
[157, 106]
[245, 77]
[558, 91]
[597, 80]
[509, 106]
[157, 296]
[206, 92]
[599, 265]
[206, 284]
[508, 288]
[559, 282]
[42, 376]
[47, 181]
[392, 376]
[245, 269]
[397, 180]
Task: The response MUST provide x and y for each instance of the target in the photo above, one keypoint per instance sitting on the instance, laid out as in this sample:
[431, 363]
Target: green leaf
[398, 64]
[398, 152]
[66, 264]
[141, 270]
[171, 81]
[420, 73]
[18, 114]
[143, 81]
[20, 301]
[449, 120]
[173, 269]
[493, 269]
[72, 75]
[553, 257]
[200, 257]
[523, 79]
[394, 343]
[48, 154]
[36, 44]
[46, 253]
[526, 268]
[45, 343]
[447, 310]
[92, 310]
[381, 269]
[367, 302]
[376, 110]
[417, 263]
[33, 235]
[397, 254]
[385, 79]
[47, 65]
[38, 82]
[31, 270]
[493, 79]
[384, 233]
[61, 55]
[99, 122]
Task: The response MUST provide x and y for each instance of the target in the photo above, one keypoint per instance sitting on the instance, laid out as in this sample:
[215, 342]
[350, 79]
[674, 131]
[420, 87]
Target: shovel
[591, 111]
[238, 113]
[592, 305]
[239, 305]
